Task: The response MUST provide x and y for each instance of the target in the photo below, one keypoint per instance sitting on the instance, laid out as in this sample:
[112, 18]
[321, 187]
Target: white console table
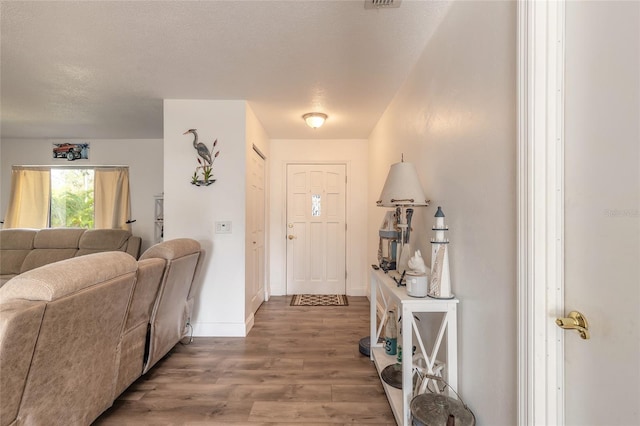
[385, 291]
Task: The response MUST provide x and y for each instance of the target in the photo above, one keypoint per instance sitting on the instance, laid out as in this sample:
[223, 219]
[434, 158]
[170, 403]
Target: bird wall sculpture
[202, 149]
[205, 168]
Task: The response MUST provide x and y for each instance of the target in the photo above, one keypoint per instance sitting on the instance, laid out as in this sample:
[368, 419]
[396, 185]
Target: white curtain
[111, 197]
[29, 199]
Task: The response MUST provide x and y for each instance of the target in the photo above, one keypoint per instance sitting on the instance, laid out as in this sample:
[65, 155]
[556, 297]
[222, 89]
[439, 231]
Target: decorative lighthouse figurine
[440, 285]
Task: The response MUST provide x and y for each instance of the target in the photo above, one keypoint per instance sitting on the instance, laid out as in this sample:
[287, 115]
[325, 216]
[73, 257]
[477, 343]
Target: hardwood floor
[297, 366]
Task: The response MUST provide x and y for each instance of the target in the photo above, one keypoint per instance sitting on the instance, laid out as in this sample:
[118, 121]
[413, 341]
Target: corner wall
[455, 119]
[192, 211]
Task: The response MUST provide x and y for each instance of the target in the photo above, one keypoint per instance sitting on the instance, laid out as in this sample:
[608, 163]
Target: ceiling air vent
[377, 4]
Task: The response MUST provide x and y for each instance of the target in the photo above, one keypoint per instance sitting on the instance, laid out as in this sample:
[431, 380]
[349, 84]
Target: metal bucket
[435, 409]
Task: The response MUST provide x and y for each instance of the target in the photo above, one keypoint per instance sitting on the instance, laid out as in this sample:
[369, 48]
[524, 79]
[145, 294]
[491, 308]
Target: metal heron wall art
[205, 168]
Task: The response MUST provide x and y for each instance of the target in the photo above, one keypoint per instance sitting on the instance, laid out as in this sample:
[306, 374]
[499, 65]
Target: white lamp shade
[402, 187]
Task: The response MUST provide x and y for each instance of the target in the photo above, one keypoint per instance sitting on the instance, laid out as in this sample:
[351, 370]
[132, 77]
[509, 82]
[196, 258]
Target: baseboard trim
[216, 329]
[248, 324]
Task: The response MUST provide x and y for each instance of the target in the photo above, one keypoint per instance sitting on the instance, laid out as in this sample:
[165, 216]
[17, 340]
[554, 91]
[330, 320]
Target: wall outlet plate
[223, 227]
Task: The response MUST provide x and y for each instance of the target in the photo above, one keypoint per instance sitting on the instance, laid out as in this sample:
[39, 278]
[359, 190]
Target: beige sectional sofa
[73, 333]
[24, 249]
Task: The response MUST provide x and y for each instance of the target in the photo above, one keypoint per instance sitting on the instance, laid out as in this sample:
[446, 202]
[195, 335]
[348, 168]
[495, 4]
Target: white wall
[143, 156]
[353, 154]
[455, 119]
[192, 211]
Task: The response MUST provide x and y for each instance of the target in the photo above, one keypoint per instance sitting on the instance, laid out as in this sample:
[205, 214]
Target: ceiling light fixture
[314, 119]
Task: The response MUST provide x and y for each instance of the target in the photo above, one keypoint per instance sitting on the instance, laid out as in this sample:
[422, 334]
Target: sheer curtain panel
[29, 199]
[111, 197]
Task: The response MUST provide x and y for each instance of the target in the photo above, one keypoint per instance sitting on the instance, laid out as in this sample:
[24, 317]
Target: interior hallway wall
[143, 156]
[455, 119]
[192, 211]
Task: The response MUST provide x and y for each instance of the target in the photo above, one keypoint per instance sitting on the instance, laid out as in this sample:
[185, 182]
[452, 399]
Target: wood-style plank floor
[297, 366]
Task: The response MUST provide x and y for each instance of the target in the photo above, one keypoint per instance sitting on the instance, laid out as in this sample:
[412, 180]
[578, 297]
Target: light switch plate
[223, 227]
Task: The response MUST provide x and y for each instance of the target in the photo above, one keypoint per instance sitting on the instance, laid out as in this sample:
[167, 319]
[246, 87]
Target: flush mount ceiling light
[314, 119]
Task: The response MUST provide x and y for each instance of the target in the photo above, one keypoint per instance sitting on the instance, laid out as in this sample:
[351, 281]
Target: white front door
[602, 212]
[255, 233]
[316, 228]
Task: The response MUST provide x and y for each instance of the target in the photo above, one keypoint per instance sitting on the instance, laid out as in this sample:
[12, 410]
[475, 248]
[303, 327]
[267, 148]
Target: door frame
[347, 212]
[540, 256]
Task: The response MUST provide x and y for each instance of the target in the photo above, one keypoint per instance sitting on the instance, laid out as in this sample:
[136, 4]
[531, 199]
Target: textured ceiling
[100, 69]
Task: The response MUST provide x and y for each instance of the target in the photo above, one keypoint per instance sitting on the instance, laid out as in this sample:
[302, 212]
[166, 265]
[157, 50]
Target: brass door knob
[575, 321]
[291, 237]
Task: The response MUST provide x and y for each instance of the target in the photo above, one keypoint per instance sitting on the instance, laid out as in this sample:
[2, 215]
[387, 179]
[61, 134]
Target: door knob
[291, 237]
[575, 321]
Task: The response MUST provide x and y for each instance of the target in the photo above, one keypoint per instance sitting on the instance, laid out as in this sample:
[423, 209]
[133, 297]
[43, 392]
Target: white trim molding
[540, 211]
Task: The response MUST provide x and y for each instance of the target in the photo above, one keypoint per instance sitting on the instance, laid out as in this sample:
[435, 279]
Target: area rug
[319, 300]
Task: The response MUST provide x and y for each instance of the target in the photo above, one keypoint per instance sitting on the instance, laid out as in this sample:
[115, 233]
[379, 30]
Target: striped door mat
[319, 300]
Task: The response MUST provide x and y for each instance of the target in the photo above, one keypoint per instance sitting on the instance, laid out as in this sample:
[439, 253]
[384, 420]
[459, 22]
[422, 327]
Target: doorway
[316, 228]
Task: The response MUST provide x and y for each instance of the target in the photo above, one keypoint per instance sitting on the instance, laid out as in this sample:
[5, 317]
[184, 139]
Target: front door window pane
[315, 205]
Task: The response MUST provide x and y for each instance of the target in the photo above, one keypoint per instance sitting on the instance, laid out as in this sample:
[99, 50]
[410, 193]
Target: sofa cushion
[148, 279]
[17, 239]
[98, 240]
[40, 257]
[11, 261]
[5, 277]
[68, 276]
[16, 245]
[58, 238]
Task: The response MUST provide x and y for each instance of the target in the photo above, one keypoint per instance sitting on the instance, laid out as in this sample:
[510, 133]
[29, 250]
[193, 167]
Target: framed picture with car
[71, 151]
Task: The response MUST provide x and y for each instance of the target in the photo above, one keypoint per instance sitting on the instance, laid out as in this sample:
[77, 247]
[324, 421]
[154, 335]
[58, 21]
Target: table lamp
[402, 189]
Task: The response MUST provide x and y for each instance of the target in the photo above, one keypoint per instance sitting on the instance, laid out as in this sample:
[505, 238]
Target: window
[45, 196]
[72, 198]
[315, 205]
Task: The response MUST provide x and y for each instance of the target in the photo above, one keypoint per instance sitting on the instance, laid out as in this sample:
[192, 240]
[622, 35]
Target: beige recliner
[172, 311]
[60, 330]
[136, 328]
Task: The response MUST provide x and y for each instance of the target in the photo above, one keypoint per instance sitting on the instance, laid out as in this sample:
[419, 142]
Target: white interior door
[255, 232]
[602, 212]
[316, 228]
[579, 212]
